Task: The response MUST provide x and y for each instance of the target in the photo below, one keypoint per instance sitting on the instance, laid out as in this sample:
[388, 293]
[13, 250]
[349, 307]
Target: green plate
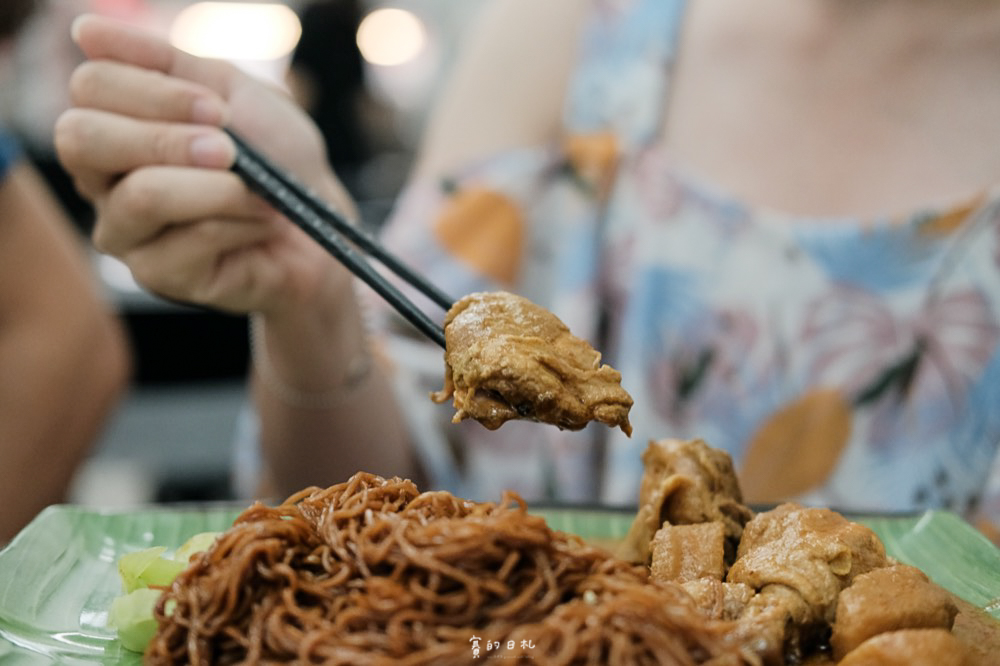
[59, 575]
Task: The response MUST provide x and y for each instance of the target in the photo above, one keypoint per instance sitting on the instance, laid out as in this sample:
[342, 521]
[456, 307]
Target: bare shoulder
[506, 88]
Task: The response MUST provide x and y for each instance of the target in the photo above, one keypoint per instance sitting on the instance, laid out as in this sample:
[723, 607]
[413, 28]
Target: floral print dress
[850, 362]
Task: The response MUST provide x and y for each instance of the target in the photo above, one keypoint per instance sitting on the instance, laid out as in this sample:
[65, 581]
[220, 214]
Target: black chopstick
[326, 226]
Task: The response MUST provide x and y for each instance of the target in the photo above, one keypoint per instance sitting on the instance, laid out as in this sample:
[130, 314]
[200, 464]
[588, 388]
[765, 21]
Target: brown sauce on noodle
[371, 571]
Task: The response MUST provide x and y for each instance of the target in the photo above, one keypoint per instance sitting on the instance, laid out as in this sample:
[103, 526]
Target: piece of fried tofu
[684, 553]
[888, 599]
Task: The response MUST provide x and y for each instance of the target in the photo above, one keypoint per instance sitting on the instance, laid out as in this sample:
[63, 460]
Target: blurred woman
[778, 219]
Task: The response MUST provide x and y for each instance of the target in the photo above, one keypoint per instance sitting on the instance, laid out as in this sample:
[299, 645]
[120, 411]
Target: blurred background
[366, 70]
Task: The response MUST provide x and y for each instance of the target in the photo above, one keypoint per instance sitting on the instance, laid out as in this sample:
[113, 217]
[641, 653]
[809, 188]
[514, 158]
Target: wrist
[351, 375]
[312, 357]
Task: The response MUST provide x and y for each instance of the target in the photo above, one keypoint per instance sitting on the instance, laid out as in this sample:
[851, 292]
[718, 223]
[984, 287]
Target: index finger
[102, 38]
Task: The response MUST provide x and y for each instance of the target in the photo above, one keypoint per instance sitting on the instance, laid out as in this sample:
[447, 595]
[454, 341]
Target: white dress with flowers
[851, 362]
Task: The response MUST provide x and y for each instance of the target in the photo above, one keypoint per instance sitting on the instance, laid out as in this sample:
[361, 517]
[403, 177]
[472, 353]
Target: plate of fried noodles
[425, 576]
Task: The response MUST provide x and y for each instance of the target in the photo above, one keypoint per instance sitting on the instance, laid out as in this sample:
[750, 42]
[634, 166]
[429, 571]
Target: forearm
[63, 356]
[58, 385]
[326, 407]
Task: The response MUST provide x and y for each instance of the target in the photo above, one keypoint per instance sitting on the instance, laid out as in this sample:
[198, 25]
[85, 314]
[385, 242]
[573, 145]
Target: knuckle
[167, 146]
[147, 269]
[110, 234]
[85, 83]
[85, 189]
[179, 97]
[146, 277]
[66, 136]
[103, 237]
[210, 233]
[138, 195]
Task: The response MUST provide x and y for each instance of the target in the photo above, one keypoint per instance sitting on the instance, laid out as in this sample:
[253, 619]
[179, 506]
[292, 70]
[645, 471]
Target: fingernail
[211, 150]
[74, 29]
[207, 111]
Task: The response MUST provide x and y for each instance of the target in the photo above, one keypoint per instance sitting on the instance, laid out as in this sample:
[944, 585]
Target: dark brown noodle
[371, 571]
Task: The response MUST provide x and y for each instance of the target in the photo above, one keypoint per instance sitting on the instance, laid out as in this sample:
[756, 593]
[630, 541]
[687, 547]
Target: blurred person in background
[778, 220]
[63, 356]
[38, 64]
[326, 77]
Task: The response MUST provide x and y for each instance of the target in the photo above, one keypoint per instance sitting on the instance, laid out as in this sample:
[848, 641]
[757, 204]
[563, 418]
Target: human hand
[144, 143]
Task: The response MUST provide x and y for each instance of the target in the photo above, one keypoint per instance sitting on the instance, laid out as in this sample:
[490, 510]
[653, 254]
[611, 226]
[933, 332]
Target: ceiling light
[236, 30]
[391, 36]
